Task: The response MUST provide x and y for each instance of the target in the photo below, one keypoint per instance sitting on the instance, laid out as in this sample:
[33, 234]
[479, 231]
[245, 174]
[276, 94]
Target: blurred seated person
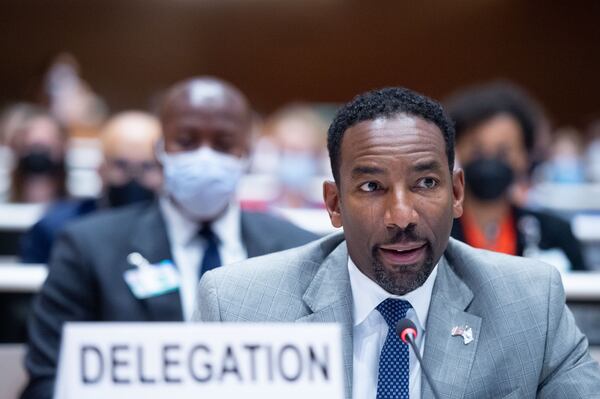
[37, 143]
[293, 151]
[565, 164]
[195, 226]
[495, 134]
[129, 173]
[70, 98]
[592, 153]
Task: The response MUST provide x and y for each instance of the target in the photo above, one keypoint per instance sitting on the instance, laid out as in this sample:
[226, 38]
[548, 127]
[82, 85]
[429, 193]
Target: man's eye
[427, 182]
[369, 186]
[225, 146]
[186, 142]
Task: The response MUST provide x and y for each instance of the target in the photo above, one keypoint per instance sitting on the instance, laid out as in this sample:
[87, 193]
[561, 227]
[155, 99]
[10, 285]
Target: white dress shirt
[370, 331]
[187, 248]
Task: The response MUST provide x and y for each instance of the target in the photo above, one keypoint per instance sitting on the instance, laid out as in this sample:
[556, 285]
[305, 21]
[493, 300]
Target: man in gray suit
[97, 267]
[489, 325]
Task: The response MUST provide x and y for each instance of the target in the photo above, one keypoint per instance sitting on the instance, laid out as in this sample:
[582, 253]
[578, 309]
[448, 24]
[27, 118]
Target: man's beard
[396, 283]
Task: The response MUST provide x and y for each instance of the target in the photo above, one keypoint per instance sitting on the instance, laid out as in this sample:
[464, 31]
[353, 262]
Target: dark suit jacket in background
[555, 233]
[36, 243]
[85, 281]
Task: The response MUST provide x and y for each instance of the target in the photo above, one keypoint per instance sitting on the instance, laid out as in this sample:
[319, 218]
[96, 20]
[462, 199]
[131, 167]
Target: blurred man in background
[592, 153]
[296, 134]
[565, 163]
[129, 173]
[99, 265]
[495, 134]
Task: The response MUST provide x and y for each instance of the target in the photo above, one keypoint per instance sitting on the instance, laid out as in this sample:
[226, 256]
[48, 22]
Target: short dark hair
[386, 103]
[473, 106]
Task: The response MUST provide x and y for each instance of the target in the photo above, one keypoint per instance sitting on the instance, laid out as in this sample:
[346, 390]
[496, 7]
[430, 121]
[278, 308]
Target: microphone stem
[410, 340]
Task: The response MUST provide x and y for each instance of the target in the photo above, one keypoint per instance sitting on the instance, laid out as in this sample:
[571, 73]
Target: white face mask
[202, 181]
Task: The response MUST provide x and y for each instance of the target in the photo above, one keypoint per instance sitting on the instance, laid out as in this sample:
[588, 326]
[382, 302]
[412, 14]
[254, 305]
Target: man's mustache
[406, 235]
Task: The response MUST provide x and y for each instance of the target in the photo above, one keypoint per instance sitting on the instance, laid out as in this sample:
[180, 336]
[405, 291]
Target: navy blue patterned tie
[211, 257]
[394, 368]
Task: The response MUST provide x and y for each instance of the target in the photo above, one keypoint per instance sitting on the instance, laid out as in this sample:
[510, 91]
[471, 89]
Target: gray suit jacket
[526, 343]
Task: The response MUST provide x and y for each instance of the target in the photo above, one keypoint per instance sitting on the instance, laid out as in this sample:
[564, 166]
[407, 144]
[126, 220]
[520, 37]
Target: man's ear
[458, 192]
[332, 202]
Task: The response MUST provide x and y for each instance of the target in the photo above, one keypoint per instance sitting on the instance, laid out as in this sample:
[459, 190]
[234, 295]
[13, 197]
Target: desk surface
[567, 197]
[15, 277]
[20, 217]
[582, 285]
[12, 372]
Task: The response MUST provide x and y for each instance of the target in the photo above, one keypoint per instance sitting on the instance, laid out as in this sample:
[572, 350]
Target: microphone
[407, 331]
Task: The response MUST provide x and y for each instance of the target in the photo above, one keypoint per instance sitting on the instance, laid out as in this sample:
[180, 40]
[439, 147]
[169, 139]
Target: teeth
[405, 250]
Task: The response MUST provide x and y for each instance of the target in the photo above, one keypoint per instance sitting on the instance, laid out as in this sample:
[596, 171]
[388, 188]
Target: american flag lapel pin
[465, 332]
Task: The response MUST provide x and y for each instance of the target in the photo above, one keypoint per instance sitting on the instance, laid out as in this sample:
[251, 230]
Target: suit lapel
[449, 360]
[329, 296]
[447, 357]
[150, 239]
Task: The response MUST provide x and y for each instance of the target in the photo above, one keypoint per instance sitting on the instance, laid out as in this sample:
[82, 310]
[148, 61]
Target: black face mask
[128, 193]
[488, 179]
[38, 163]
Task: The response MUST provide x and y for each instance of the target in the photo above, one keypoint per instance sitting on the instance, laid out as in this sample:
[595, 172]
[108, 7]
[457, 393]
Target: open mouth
[403, 254]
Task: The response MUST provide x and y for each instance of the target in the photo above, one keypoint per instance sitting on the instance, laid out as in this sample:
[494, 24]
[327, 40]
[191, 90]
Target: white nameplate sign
[200, 360]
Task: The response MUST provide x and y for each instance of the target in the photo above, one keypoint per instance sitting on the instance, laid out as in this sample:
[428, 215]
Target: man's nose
[400, 209]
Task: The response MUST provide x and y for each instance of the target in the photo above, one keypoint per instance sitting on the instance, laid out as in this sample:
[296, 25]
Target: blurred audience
[129, 173]
[98, 271]
[293, 150]
[37, 144]
[592, 154]
[565, 164]
[495, 134]
[69, 98]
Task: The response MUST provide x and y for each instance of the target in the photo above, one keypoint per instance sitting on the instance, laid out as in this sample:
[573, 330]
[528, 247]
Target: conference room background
[313, 52]
[310, 50]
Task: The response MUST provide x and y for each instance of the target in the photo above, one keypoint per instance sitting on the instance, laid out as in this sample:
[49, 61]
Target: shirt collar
[228, 226]
[182, 230]
[367, 294]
